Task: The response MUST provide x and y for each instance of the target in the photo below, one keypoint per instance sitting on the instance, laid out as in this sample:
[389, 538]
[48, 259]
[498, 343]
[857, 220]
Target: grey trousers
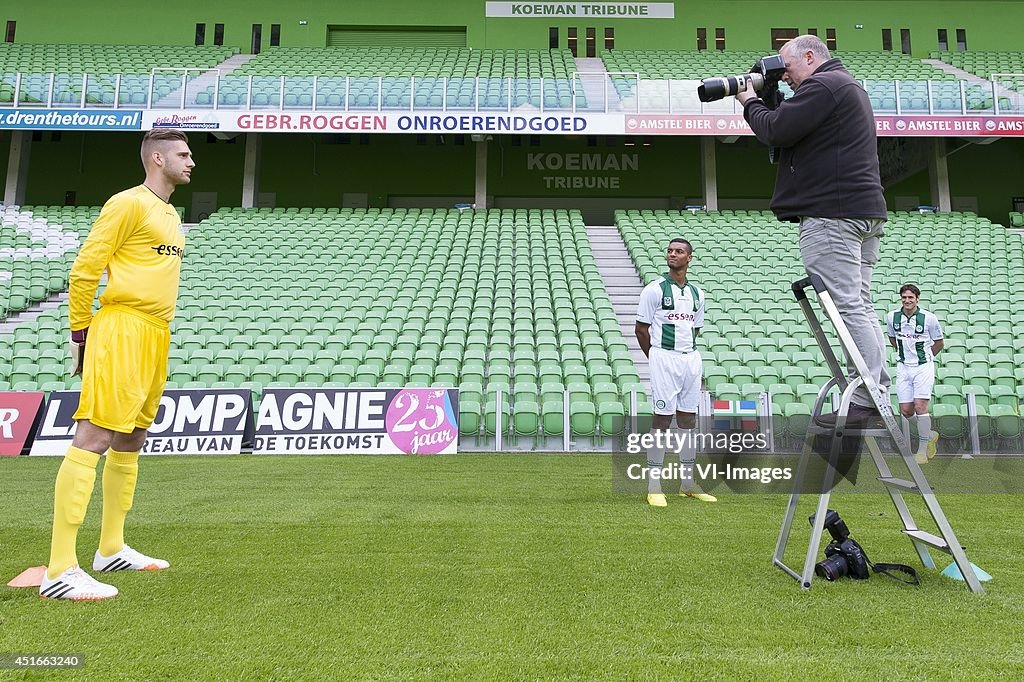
[843, 252]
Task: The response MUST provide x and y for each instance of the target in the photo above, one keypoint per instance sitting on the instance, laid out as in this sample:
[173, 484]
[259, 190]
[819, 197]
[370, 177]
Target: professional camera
[843, 556]
[767, 73]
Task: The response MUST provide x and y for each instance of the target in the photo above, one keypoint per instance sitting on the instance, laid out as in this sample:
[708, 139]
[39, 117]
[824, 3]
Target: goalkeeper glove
[78, 350]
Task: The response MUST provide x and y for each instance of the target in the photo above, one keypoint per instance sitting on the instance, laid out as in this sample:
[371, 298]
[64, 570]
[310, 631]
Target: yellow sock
[119, 476]
[71, 494]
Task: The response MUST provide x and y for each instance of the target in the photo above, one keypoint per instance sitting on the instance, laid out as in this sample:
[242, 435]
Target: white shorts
[675, 381]
[915, 382]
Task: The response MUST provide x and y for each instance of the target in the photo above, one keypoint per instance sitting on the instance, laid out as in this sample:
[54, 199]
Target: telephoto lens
[714, 89]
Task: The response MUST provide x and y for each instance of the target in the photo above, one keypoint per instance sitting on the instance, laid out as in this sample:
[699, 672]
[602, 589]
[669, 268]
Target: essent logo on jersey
[674, 317]
[169, 250]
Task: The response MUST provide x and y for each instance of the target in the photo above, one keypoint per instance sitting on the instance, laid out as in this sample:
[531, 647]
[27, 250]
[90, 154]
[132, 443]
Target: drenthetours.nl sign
[71, 119]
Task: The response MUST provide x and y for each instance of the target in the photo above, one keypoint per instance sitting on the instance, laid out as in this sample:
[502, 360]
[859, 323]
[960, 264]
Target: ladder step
[900, 484]
[929, 539]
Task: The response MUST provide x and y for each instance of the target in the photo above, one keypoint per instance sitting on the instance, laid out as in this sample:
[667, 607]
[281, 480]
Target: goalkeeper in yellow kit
[122, 354]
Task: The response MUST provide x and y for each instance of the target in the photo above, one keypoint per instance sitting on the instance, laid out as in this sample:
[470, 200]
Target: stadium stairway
[37, 248]
[624, 286]
[597, 87]
[8, 326]
[949, 68]
[206, 80]
[974, 79]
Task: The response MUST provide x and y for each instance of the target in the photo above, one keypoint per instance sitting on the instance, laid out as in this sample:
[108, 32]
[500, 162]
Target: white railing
[618, 92]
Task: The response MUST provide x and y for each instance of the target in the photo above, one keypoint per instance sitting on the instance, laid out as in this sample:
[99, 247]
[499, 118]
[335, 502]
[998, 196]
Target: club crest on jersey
[667, 302]
[919, 329]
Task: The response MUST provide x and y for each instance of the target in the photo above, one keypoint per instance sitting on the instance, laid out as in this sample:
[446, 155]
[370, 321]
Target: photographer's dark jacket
[828, 152]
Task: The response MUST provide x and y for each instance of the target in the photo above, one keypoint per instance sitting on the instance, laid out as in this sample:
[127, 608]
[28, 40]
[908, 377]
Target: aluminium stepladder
[896, 487]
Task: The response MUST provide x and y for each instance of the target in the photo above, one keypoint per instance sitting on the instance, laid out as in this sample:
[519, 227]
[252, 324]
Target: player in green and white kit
[916, 335]
[668, 320]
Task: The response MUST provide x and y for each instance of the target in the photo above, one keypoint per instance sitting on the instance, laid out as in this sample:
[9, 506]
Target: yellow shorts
[125, 369]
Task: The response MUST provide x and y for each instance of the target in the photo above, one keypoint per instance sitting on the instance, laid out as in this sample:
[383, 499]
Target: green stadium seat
[1002, 395]
[981, 394]
[728, 392]
[469, 417]
[48, 374]
[798, 418]
[999, 376]
[552, 418]
[781, 394]
[526, 417]
[583, 418]
[730, 360]
[1007, 422]
[947, 420]
[752, 390]
[491, 416]
[948, 394]
[612, 418]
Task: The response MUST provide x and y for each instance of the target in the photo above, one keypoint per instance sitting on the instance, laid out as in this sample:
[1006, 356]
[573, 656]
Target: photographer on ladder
[824, 142]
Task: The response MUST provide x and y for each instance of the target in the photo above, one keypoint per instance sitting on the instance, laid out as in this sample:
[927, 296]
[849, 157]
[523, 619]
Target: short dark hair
[680, 240]
[911, 288]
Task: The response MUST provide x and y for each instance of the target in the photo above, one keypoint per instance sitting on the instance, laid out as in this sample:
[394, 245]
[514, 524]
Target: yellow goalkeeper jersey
[137, 239]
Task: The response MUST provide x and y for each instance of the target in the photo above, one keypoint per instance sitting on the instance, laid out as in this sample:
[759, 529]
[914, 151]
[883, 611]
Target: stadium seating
[679, 64]
[397, 78]
[694, 65]
[756, 334]
[37, 247]
[101, 62]
[984, 64]
[399, 61]
[989, 65]
[877, 69]
[483, 300]
[655, 67]
[512, 301]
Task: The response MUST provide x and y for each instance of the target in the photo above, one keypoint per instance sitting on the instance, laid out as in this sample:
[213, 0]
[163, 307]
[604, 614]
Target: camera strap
[888, 571]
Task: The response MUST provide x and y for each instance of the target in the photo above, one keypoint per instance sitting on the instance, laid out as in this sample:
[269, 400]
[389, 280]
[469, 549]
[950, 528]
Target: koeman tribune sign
[605, 10]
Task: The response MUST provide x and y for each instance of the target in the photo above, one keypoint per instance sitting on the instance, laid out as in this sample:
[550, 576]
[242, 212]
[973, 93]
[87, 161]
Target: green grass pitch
[493, 567]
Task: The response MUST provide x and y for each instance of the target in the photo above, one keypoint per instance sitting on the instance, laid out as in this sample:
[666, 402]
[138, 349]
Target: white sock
[687, 457]
[924, 430]
[907, 421]
[655, 460]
